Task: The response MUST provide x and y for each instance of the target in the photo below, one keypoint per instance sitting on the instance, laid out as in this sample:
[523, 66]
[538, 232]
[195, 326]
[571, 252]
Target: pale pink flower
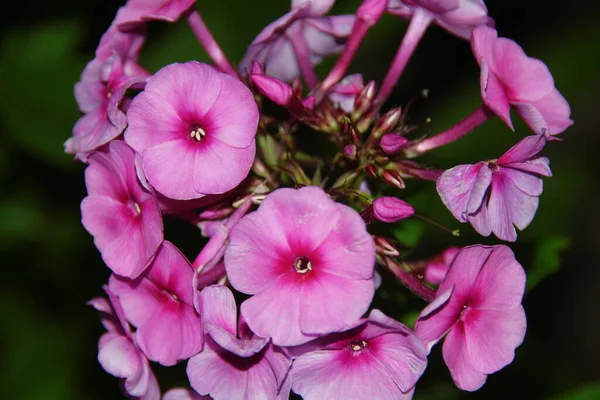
[119, 354]
[456, 16]
[160, 305]
[141, 11]
[100, 93]
[319, 35]
[494, 195]
[235, 363]
[510, 78]
[120, 211]
[436, 267]
[307, 260]
[191, 142]
[378, 359]
[478, 305]
[344, 93]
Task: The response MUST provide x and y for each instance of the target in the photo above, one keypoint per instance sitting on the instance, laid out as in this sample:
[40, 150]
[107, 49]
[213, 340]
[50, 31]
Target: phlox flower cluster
[299, 241]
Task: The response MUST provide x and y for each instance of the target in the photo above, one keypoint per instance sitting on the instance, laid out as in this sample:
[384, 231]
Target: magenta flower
[456, 16]
[235, 363]
[378, 359]
[307, 260]
[510, 78]
[120, 212]
[303, 35]
[493, 195]
[160, 305]
[479, 305]
[344, 93]
[140, 11]
[100, 93]
[119, 354]
[437, 266]
[191, 142]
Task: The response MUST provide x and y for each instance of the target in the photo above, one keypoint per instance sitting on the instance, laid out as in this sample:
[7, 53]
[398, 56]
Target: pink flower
[307, 260]
[510, 78]
[140, 11]
[100, 93]
[120, 212]
[379, 359]
[191, 142]
[456, 16]
[479, 305]
[183, 394]
[322, 36]
[160, 305]
[284, 95]
[344, 93]
[119, 354]
[437, 266]
[493, 195]
[235, 363]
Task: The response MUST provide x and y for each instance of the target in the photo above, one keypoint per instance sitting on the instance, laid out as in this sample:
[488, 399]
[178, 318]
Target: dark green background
[50, 267]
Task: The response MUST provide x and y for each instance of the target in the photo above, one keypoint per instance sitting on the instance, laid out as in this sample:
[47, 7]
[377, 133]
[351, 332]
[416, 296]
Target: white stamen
[198, 134]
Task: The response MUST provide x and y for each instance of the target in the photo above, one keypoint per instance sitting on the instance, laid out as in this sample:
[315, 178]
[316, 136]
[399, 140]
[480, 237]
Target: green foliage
[39, 70]
[587, 392]
[409, 232]
[546, 259]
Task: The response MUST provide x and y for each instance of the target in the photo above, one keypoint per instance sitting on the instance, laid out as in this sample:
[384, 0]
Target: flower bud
[387, 123]
[350, 152]
[393, 178]
[383, 246]
[354, 135]
[371, 170]
[391, 209]
[364, 101]
[392, 143]
[277, 91]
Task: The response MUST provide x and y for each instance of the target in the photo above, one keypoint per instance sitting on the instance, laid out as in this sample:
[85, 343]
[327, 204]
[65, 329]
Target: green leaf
[38, 74]
[587, 392]
[409, 232]
[546, 259]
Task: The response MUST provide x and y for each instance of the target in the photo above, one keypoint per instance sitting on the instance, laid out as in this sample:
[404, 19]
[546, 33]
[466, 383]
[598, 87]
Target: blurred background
[50, 267]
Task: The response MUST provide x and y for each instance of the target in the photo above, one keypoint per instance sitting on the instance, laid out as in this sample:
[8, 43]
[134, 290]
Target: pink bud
[350, 152]
[391, 209]
[364, 100]
[371, 11]
[383, 246]
[393, 178]
[277, 91]
[391, 143]
[387, 123]
[371, 170]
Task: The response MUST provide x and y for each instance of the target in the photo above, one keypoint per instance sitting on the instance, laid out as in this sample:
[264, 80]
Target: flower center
[137, 208]
[197, 133]
[302, 265]
[357, 345]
